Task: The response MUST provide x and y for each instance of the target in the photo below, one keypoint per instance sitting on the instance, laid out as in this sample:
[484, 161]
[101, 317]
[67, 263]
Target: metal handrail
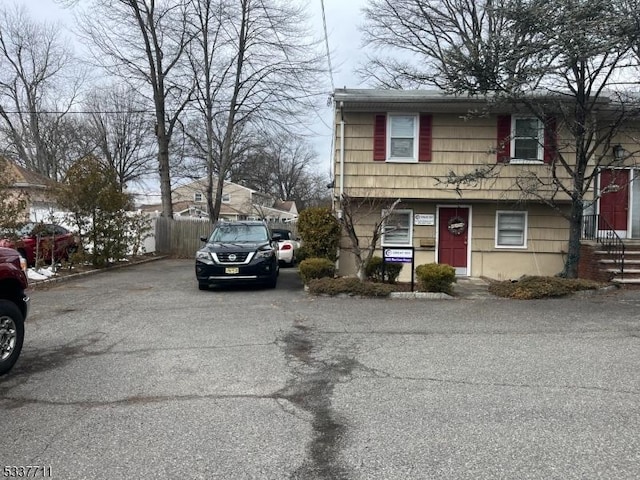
[596, 227]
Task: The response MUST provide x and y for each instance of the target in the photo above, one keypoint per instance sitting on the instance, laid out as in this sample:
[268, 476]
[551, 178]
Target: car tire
[273, 281]
[203, 286]
[11, 335]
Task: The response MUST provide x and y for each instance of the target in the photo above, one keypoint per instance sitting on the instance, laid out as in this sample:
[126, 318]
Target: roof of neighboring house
[225, 209]
[287, 205]
[24, 178]
[199, 183]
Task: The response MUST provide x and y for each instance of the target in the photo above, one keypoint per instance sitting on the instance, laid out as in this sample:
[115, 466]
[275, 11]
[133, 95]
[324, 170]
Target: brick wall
[589, 267]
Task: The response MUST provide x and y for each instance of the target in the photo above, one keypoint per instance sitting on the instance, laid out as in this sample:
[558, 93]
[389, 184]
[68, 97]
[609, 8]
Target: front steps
[606, 265]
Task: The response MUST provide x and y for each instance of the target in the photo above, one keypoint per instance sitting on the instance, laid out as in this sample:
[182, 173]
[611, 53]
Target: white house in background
[238, 203]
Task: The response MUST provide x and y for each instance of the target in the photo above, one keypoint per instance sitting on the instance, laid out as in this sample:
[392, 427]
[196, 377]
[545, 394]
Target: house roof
[24, 178]
[286, 205]
[367, 99]
[225, 209]
[420, 100]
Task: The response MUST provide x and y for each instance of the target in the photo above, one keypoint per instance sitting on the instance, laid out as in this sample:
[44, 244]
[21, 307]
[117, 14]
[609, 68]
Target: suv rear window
[240, 233]
[284, 234]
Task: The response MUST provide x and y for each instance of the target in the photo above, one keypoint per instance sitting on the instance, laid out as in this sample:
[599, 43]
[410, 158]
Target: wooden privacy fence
[180, 237]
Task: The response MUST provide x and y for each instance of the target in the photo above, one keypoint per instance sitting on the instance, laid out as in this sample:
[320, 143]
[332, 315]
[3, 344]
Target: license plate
[231, 270]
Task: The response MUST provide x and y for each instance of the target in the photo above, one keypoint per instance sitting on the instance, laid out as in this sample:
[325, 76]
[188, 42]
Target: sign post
[399, 255]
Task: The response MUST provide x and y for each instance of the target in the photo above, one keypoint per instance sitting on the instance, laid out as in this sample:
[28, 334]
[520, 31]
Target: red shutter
[380, 138]
[425, 139]
[503, 151]
[550, 139]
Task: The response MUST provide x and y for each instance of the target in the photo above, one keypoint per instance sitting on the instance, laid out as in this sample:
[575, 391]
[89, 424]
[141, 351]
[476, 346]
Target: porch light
[618, 152]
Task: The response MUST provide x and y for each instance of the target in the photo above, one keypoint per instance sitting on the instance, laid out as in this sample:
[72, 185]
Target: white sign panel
[424, 219]
[399, 255]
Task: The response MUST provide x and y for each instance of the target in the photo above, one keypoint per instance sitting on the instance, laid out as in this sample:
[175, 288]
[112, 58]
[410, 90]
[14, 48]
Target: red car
[14, 305]
[41, 241]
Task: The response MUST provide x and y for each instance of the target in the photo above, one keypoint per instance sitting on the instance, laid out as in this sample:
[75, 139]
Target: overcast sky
[343, 18]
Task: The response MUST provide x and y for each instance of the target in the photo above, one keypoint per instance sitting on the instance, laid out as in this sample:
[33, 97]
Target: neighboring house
[238, 203]
[406, 144]
[35, 188]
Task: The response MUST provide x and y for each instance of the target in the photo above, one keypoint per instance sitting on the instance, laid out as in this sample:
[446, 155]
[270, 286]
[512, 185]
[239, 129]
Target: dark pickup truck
[14, 305]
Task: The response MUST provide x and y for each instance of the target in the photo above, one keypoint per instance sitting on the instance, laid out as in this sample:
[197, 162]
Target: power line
[326, 42]
[295, 73]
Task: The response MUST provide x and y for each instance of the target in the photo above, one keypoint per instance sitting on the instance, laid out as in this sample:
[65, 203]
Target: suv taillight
[286, 246]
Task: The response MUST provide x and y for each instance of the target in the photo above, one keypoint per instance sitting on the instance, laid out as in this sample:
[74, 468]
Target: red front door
[614, 204]
[453, 227]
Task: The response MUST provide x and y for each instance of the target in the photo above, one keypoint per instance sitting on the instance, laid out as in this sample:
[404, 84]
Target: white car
[287, 246]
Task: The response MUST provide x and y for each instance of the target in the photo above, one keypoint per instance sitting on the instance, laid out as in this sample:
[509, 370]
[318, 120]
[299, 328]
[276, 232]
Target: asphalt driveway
[136, 373]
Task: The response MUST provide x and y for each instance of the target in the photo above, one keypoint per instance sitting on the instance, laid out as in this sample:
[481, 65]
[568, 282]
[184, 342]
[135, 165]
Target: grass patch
[351, 286]
[529, 288]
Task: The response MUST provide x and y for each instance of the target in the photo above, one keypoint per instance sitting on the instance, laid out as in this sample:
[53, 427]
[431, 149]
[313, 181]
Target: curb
[35, 284]
[421, 295]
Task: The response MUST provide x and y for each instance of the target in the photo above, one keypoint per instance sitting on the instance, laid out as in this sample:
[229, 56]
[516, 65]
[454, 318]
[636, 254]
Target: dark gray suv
[238, 252]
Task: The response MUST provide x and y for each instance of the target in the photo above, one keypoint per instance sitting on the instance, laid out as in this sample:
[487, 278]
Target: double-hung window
[197, 197]
[397, 229]
[527, 140]
[511, 229]
[403, 138]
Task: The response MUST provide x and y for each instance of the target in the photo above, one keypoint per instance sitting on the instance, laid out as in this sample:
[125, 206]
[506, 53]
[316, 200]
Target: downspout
[341, 151]
[341, 185]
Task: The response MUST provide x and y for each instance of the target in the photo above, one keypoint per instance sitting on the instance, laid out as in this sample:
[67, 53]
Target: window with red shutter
[503, 150]
[380, 138]
[402, 137]
[425, 139]
[550, 139]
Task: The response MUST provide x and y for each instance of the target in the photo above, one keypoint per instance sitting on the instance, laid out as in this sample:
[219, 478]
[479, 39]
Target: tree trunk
[575, 235]
[163, 168]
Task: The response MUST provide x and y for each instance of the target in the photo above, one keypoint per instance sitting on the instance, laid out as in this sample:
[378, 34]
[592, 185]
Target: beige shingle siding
[459, 145]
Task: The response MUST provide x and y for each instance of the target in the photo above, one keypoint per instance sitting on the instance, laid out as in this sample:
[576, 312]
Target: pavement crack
[381, 374]
[311, 390]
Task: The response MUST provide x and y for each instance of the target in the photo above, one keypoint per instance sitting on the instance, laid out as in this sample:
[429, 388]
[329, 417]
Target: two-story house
[409, 145]
[238, 203]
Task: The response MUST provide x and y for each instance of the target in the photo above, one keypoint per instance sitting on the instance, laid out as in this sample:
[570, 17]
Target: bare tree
[364, 239]
[281, 164]
[39, 84]
[253, 67]
[560, 61]
[120, 129]
[144, 42]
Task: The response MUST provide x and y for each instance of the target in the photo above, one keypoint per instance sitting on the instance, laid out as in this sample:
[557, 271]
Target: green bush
[374, 271]
[97, 209]
[436, 277]
[528, 288]
[320, 233]
[316, 268]
[302, 253]
[349, 286]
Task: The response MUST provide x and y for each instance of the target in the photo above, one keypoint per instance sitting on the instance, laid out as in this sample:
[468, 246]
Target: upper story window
[403, 138]
[527, 139]
[397, 229]
[197, 197]
[523, 139]
[226, 198]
